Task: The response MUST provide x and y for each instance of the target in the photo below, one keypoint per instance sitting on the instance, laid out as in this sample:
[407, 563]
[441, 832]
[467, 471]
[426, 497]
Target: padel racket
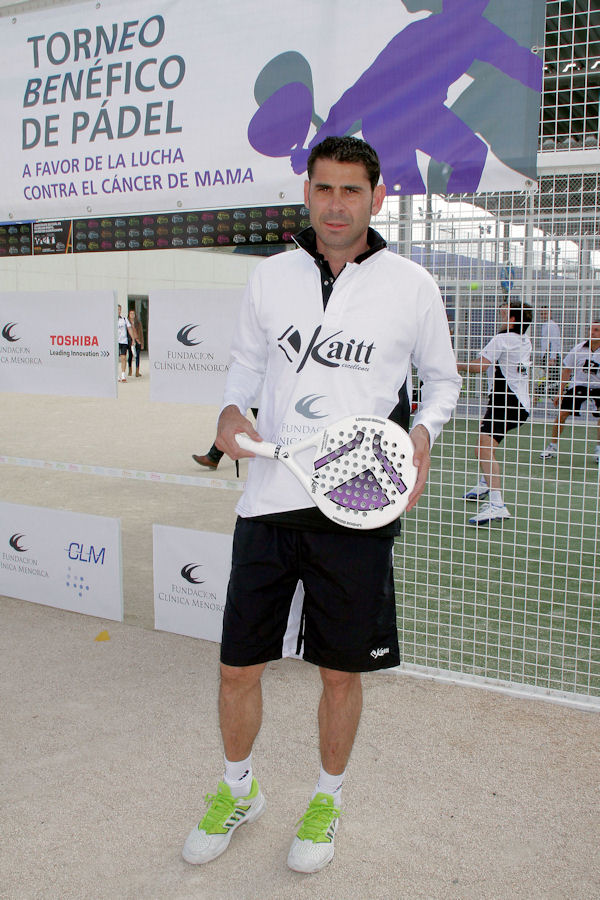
[362, 471]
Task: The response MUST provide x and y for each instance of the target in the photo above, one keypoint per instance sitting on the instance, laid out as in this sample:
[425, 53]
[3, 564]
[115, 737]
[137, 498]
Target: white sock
[330, 784]
[238, 776]
[496, 498]
[483, 482]
[552, 444]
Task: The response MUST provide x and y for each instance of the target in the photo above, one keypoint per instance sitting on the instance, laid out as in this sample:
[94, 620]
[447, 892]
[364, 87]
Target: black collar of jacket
[307, 240]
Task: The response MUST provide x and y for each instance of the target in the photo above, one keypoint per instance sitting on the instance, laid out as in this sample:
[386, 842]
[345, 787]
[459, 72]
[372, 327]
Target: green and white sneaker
[225, 812]
[312, 848]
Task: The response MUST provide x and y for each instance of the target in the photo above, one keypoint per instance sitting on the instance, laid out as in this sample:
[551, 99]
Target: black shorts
[123, 348]
[348, 620]
[503, 414]
[574, 398]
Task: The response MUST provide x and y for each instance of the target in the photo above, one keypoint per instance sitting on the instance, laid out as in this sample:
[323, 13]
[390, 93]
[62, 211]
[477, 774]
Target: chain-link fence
[513, 600]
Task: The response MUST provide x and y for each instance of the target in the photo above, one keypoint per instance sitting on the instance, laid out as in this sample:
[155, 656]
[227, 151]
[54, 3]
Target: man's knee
[336, 682]
[484, 446]
[240, 678]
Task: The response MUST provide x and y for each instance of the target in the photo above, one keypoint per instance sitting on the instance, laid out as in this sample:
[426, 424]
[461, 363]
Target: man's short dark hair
[522, 314]
[347, 150]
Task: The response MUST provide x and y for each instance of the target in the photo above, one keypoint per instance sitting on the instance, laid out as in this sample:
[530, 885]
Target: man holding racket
[337, 322]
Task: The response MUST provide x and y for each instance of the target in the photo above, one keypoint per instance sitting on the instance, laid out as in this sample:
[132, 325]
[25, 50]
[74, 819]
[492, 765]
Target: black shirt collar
[307, 240]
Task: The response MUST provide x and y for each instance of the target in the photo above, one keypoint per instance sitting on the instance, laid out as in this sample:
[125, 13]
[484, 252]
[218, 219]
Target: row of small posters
[235, 227]
[65, 343]
[72, 561]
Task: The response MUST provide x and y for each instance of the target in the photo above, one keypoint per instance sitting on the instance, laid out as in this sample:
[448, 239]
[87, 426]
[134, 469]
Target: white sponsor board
[191, 573]
[111, 107]
[58, 342]
[63, 559]
[189, 343]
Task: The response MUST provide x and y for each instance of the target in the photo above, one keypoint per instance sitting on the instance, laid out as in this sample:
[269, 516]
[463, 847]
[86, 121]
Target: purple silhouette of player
[399, 100]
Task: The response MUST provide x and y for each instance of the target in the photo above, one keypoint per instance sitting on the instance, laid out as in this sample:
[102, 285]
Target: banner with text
[58, 342]
[63, 559]
[111, 107]
[189, 342]
[191, 572]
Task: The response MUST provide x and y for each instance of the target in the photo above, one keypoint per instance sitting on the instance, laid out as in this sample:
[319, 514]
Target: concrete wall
[126, 273]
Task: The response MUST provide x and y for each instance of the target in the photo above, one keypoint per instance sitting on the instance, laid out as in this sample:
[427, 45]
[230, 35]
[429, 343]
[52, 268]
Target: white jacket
[309, 366]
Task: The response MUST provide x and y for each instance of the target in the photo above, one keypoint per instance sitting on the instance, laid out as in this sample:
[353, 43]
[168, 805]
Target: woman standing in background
[136, 345]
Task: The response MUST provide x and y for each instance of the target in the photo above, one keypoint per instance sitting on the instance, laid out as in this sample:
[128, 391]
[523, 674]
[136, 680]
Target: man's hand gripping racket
[362, 471]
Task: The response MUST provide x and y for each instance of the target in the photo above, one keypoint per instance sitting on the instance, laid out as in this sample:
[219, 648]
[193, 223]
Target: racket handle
[260, 448]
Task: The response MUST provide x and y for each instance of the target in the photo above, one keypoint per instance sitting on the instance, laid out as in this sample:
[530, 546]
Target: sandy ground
[109, 747]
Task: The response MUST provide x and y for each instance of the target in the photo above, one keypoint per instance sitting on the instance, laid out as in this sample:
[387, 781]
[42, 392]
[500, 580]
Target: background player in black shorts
[507, 358]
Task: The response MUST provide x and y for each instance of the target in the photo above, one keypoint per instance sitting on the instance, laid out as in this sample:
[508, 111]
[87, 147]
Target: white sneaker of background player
[550, 451]
[480, 490]
[489, 512]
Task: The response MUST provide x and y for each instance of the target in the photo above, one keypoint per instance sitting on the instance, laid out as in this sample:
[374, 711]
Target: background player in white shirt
[550, 340]
[507, 358]
[550, 351]
[581, 375]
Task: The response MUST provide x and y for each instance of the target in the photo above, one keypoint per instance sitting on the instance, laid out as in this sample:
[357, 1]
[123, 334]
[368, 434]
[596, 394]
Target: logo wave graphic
[6, 332]
[14, 543]
[303, 406]
[187, 573]
[183, 336]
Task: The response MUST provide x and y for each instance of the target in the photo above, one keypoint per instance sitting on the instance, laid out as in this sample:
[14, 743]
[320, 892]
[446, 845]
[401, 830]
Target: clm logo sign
[85, 554]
